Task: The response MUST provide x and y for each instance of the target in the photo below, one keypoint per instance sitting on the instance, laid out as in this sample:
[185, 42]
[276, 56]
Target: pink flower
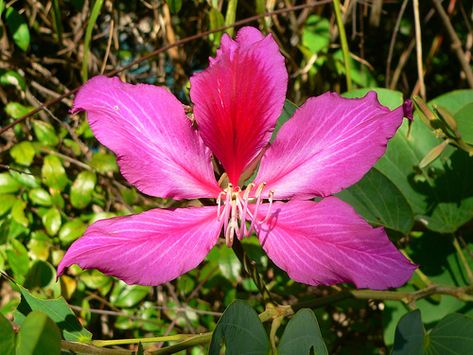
[328, 145]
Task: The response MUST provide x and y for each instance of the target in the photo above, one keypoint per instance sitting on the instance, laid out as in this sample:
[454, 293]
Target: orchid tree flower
[328, 145]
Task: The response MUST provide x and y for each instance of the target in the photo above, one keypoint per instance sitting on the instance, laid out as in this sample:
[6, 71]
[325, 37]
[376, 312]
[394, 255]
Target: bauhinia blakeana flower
[328, 145]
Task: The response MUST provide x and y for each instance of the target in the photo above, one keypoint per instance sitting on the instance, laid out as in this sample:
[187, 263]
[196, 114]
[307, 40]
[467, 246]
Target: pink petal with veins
[238, 99]
[146, 127]
[328, 145]
[149, 248]
[326, 243]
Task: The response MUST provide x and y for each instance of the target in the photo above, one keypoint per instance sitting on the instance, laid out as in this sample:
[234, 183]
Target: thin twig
[393, 41]
[456, 43]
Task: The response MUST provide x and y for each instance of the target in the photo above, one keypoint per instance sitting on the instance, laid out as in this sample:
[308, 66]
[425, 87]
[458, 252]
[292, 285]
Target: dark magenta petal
[238, 99]
[326, 243]
[146, 127]
[328, 145]
[149, 248]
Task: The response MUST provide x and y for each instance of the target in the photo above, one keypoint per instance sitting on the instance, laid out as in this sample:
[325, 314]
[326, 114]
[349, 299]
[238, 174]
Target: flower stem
[250, 268]
[344, 42]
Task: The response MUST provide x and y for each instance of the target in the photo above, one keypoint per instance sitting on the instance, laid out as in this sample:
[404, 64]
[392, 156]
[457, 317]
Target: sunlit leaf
[38, 335]
[57, 309]
[18, 28]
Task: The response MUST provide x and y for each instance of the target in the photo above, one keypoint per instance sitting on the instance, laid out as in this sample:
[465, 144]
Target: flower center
[233, 210]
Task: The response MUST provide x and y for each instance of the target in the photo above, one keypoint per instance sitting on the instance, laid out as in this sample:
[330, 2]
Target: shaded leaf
[302, 335]
[409, 338]
[380, 202]
[7, 338]
[241, 331]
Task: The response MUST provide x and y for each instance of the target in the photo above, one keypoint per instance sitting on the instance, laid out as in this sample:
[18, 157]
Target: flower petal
[328, 145]
[149, 248]
[239, 98]
[326, 243]
[146, 127]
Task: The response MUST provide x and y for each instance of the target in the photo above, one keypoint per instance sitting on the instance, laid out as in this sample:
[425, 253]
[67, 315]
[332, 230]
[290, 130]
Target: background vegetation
[56, 179]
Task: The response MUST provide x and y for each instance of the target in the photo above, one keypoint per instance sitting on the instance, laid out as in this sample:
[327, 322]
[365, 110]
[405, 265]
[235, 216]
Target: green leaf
[18, 28]
[174, 6]
[45, 133]
[224, 258]
[57, 309]
[440, 196]
[288, 110]
[8, 184]
[25, 178]
[94, 14]
[464, 122]
[39, 245]
[16, 110]
[38, 335]
[216, 20]
[104, 163]
[53, 173]
[11, 77]
[454, 100]
[52, 221]
[82, 189]
[389, 98]
[23, 153]
[380, 202]
[7, 338]
[127, 296]
[40, 275]
[454, 332]
[18, 213]
[18, 260]
[241, 331]
[409, 338]
[316, 34]
[71, 231]
[302, 335]
[40, 197]
[7, 203]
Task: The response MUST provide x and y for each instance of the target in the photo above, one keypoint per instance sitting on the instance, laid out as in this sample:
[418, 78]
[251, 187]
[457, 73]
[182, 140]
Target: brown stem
[456, 44]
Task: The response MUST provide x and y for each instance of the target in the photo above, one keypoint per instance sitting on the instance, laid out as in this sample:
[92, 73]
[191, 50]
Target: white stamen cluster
[235, 210]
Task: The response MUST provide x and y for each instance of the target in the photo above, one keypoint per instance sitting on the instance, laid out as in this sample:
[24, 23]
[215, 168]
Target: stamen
[219, 201]
[268, 212]
[230, 231]
[227, 210]
[258, 202]
[245, 209]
